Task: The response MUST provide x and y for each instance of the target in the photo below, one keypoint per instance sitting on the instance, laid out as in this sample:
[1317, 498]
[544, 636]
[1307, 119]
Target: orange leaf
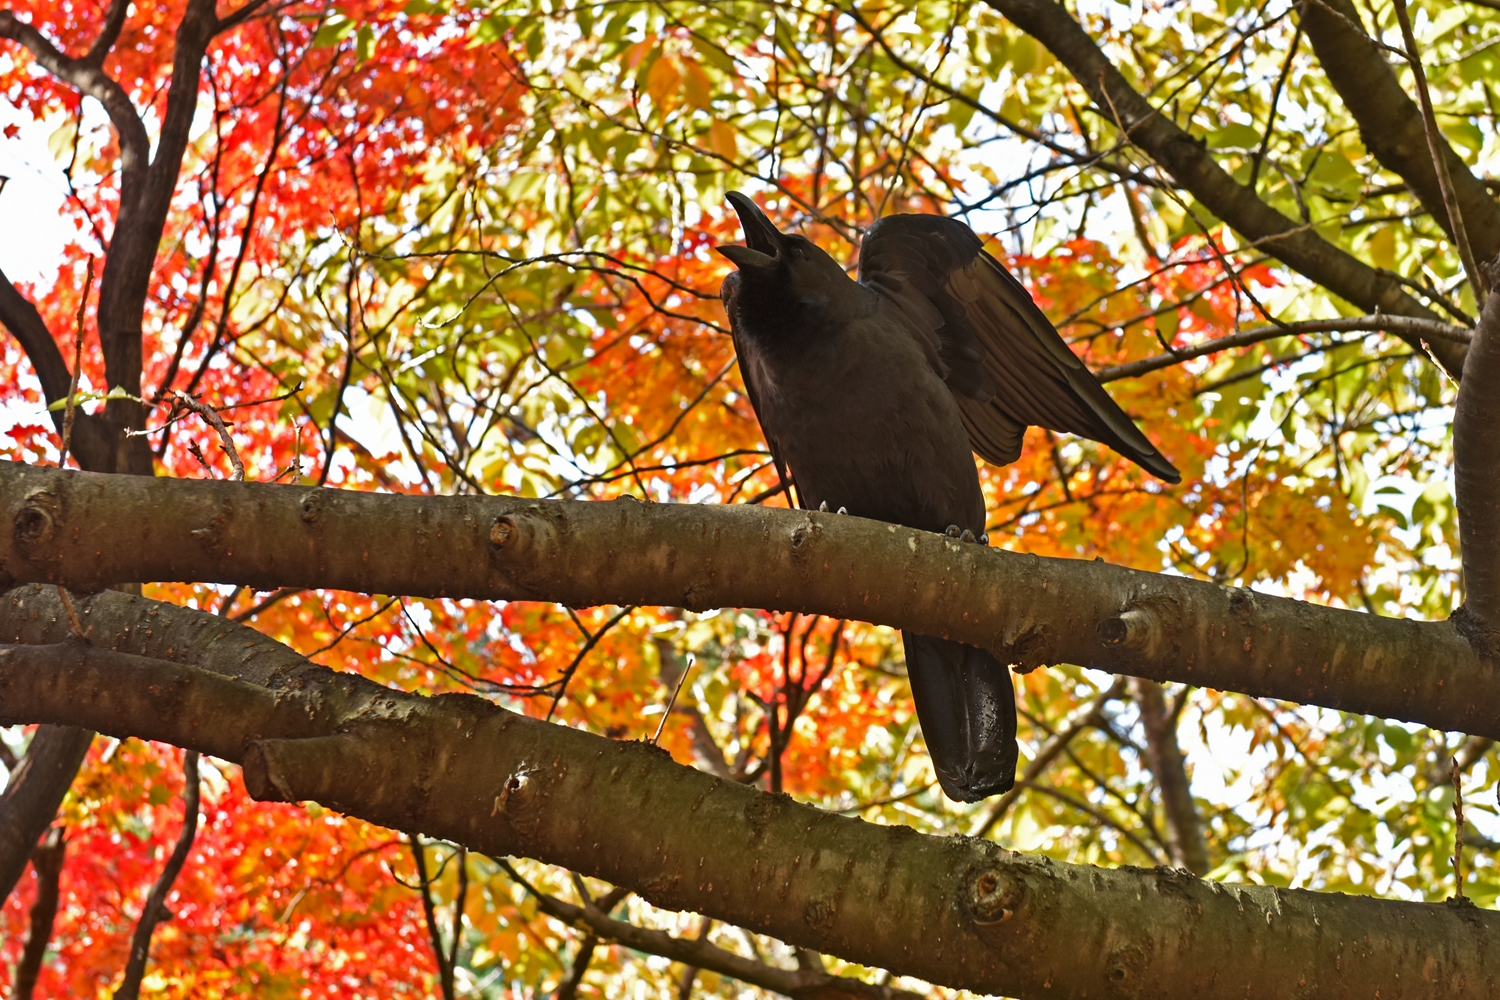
[721, 139]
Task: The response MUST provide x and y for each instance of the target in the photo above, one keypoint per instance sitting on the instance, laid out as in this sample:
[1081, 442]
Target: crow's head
[787, 267]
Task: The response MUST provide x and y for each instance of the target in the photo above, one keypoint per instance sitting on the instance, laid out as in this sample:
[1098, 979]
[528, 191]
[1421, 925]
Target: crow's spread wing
[743, 353]
[1000, 356]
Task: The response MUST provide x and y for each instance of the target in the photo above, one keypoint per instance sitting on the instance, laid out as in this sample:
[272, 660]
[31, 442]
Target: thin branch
[83, 304]
[211, 417]
[1409, 326]
[90, 80]
[699, 953]
[1435, 144]
[424, 887]
[266, 604]
[156, 910]
[1265, 139]
[568, 988]
[1191, 164]
[114, 20]
[572, 668]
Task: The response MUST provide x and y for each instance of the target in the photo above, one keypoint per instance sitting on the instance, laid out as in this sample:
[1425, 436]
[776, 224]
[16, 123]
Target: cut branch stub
[1135, 629]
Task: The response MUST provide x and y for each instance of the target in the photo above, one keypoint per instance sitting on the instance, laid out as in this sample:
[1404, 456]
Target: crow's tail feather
[967, 708]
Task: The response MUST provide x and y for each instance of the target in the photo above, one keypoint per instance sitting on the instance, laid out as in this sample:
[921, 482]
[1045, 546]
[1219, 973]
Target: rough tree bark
[1184, 828]
[83, 530]
[1192, 166]
[35, 791]
[953, 911]
[1476, 472]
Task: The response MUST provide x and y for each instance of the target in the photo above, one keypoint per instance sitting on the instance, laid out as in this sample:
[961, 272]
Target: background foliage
[467, 247]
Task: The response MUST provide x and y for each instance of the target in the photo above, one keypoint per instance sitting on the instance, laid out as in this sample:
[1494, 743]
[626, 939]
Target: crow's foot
[953, 531]
[823, 507]
[843, 510]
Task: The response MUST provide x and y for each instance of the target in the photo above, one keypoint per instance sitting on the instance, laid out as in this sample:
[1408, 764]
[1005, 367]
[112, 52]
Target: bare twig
[593, 640]
[74, 625]
[1435, 144]
[266, 603]
[83, 304]
[594, 917]
[1409, 325]
[1265, 139]
[459, 899]
[1456, 775]
[212, 418]
[681, 678]
[156, 904]
[690, 973]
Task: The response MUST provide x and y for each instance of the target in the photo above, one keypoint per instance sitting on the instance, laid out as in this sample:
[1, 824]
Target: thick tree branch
[85, 530]
[1195, 169]
[145, 199]
[47, 863]
[1390, 123]
[89, 79]
[1476, 480]
[1165, 757]
[972, 916]
[92, 442]
[35, 791]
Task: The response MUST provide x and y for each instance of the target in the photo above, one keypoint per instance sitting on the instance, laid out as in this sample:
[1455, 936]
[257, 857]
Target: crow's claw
[952, 531]
[967, 536]
[843, 510]
[823, 506]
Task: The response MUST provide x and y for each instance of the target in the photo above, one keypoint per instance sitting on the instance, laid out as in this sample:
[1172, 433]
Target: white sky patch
[32, 201]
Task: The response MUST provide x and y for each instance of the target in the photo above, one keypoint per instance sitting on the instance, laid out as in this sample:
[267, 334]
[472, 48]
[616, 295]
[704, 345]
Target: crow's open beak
[762, 239]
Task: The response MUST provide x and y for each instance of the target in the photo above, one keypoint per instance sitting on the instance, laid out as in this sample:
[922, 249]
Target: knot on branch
[1480, 636]
[35, 523]
[312, 506]
[1135, 629]
[994, 895]
[804, 534]
[526, 534]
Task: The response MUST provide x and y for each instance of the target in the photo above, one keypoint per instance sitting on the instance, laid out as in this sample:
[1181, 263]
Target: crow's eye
[797, 252]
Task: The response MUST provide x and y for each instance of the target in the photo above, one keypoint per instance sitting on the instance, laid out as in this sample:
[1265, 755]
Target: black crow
[872, 395]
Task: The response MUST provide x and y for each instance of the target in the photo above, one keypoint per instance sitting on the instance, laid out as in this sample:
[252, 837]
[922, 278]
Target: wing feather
[1001, 357]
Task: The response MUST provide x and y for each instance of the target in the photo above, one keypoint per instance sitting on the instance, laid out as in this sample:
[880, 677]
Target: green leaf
[333, 31]
[490, 30]
[1234, 137]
